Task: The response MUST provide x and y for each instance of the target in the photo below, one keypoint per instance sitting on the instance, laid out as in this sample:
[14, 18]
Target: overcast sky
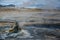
[33, 3]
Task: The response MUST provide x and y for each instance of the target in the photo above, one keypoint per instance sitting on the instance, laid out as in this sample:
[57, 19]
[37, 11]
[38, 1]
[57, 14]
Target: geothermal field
[35, 24]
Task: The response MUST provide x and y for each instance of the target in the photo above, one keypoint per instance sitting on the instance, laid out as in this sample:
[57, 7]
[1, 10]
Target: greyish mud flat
[36, 33]
[35, 24]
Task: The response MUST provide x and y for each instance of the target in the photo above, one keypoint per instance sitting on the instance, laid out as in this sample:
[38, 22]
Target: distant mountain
[10, 5]
[2, 6]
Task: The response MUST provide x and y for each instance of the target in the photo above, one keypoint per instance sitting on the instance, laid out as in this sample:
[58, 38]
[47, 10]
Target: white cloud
[33, 3]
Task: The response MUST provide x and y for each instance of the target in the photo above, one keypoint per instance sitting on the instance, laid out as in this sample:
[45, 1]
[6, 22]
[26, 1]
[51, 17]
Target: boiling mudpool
[20, 34]
[40, 32]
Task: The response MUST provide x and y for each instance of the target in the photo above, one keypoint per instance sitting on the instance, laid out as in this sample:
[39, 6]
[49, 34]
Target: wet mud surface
[35, 32]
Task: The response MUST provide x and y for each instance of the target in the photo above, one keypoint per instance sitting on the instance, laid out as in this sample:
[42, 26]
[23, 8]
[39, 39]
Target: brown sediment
[18, 11]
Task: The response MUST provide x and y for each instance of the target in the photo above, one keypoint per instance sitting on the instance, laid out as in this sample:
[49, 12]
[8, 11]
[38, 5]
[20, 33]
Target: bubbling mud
[20, 34]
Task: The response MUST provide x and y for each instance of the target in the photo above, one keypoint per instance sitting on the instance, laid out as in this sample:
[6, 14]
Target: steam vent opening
[29, 20]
